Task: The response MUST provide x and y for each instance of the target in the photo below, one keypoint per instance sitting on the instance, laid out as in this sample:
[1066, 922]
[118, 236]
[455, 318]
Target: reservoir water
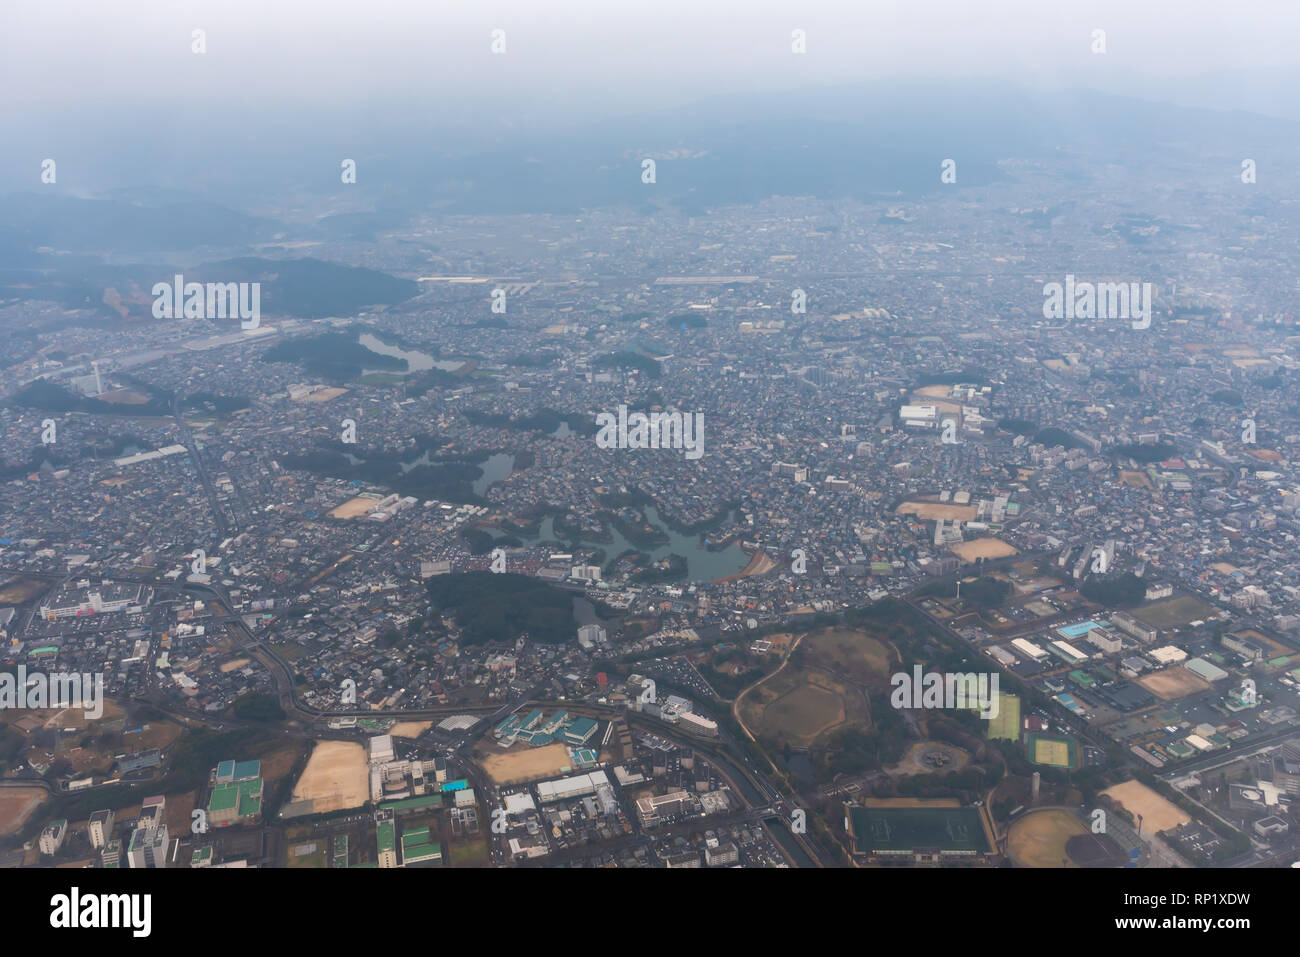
[416, 361]
[702, 565]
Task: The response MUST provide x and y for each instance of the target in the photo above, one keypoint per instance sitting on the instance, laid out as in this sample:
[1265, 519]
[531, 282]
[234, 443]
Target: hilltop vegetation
[490, 607]
[337, 355]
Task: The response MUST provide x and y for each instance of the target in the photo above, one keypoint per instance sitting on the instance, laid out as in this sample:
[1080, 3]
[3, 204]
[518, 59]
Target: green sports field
[1006, 726]
[1051, 751]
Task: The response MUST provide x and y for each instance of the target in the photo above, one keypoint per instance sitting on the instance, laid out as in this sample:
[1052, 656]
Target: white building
[591, 635]
[52, 837]
[1028, 649]
[698, 723]
[101, 829]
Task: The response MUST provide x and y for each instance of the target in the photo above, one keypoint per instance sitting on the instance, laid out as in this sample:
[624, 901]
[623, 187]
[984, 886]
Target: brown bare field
[912, 802]
[72, 719]
[1277, 647]
[1158, 814]
[80, 760]
[20, 590]
[123, 397]
[781, 641]
[410, 729]
[16, 806]
[178, 812]
[279, 762]
[1173, 612]
[851, 653]
[1038, 838]
[1134, 479]
[799, 703]
[324, 395]
[983, 548]
[1173, 683]
[336, 777]
[235, 665]
[933, 391]
[522, 763]
[931, 511]
[818, 688]
[808, 710]
[355, 507]
[1271, 456]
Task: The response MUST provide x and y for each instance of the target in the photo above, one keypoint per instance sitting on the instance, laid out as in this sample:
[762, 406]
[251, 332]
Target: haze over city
[705, 435]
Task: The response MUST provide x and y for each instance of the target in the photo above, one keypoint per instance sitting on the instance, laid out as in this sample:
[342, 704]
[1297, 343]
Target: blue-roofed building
[579, 731]
[232, 772]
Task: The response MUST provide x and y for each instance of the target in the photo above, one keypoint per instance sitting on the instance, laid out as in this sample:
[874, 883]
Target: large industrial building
[535, 729]
[102, 599]
[924, 833]
[237, 793]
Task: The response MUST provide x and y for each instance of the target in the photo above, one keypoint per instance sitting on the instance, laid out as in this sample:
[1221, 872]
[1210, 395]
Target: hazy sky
[589, 56]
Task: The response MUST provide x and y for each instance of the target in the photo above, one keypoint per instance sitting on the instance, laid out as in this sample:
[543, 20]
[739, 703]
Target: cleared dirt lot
[1038, 838]
[336, 777]
[410, 729]
[1175, 612]
[355, 507]
[17, 591]
[1134, 479]
[324, 395]
[1158, 814]
[983, 548]
[522, 763]
[16, 806]
[930, 511]
[1173, 683]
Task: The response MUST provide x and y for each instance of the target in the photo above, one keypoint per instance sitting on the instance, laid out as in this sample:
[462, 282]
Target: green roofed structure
[414, 805]
[386, 839]
[417, 849]
[235, 803]
[928, 833]
[579, 731]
